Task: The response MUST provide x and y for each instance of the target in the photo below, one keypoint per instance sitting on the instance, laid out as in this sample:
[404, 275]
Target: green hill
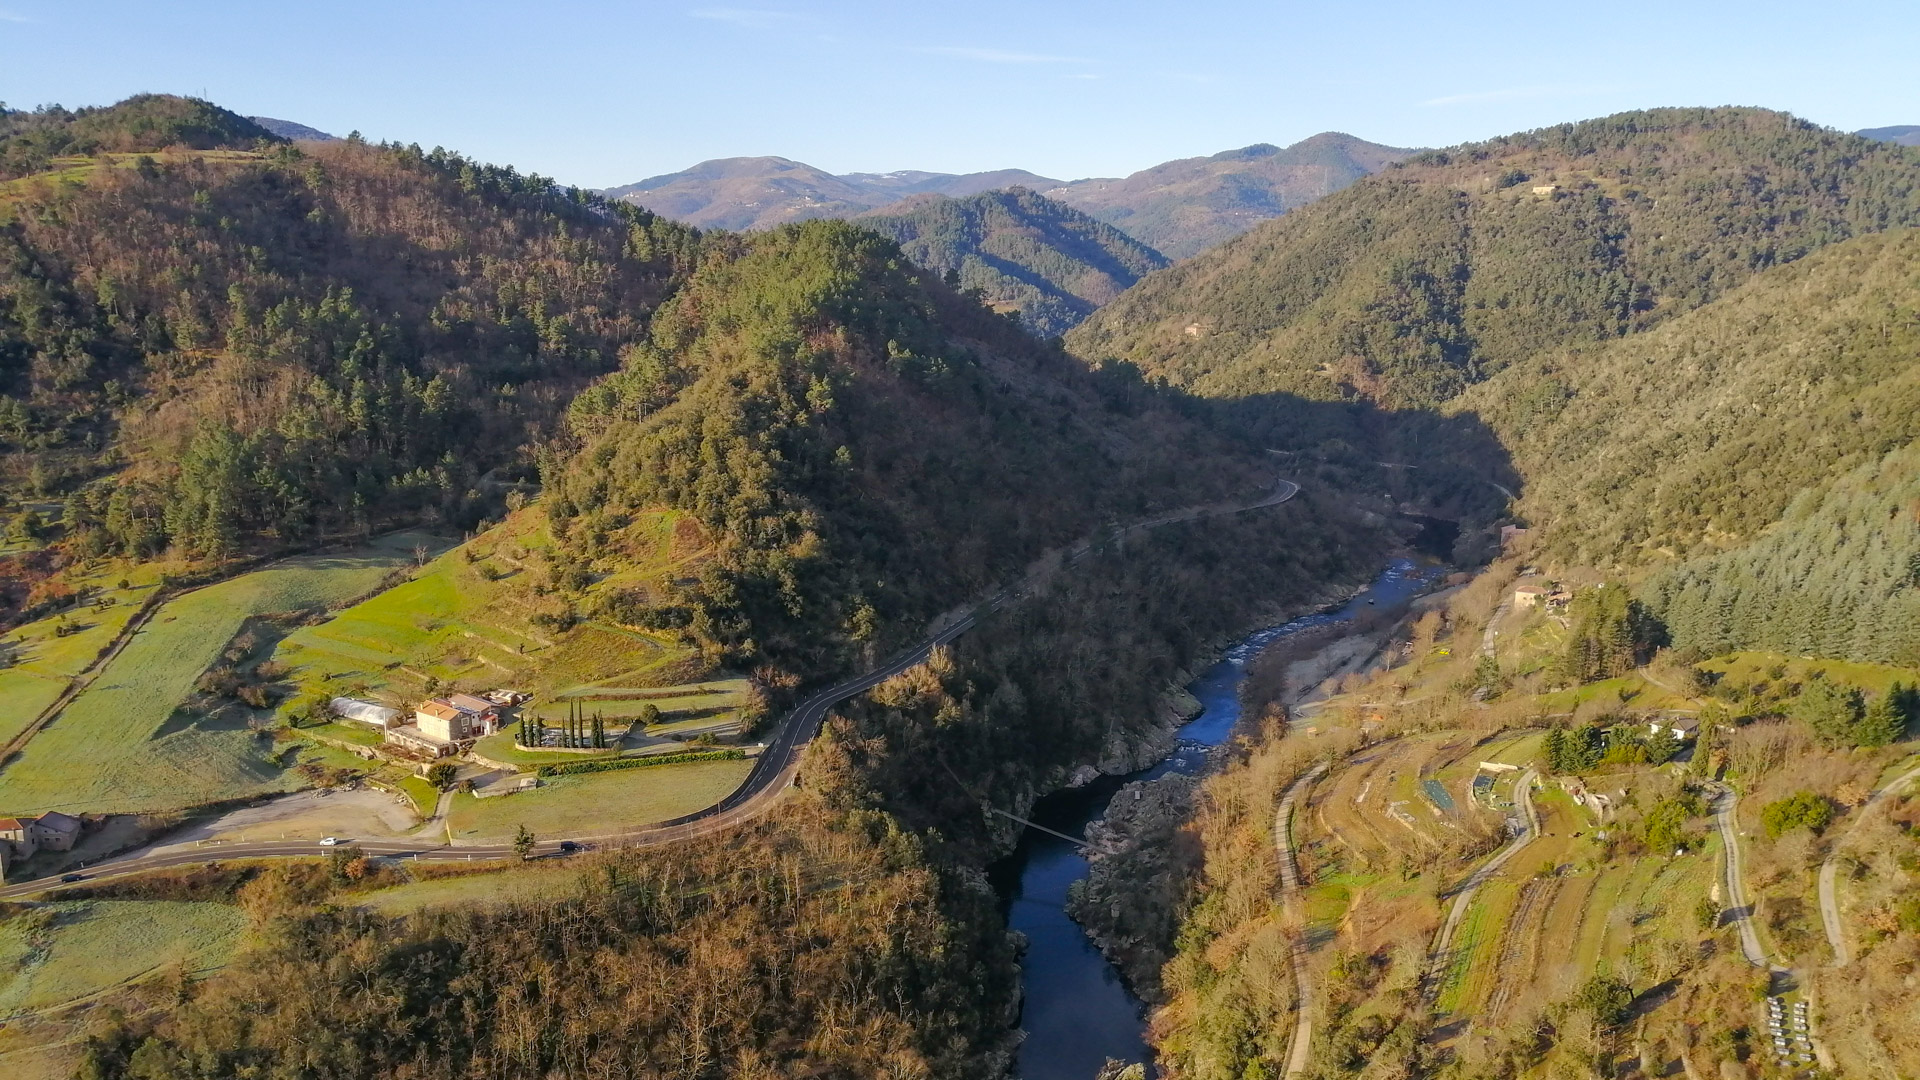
[867, 445]
[1414, 283]
[1675, 442]
[231, 350]
[1025, 252]
[1764, 443]
[29, 141]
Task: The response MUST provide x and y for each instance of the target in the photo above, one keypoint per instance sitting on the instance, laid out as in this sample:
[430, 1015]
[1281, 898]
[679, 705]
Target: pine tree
[1884, 721]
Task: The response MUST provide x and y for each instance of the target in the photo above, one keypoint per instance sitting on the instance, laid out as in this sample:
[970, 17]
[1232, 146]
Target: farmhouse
[52, 831]
[1527, 596]
[443, 726]
[1683, 728]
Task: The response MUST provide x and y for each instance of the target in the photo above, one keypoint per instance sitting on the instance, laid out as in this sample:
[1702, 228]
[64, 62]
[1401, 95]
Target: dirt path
[1291, 891]
[1439, 955]
[1829, 872]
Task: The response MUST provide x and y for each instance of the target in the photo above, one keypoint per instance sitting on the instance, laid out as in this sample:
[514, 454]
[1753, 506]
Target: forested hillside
[1024, 252]
[1675, 442]
[1186, 206]
[232, 350]
[869, 445]
[1414, 283]
[1839, 576]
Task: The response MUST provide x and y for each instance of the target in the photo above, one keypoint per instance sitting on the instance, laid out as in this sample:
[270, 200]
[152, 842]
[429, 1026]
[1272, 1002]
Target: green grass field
[62, 952]
[126, 746]
[598, 802]
[536, 880]
[43, 660]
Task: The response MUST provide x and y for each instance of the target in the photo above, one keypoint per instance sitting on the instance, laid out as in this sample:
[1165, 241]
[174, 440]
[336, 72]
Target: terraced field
[126, 745]
[468, 619]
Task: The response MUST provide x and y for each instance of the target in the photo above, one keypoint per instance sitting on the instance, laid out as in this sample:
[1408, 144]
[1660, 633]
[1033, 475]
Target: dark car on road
[73, 877]
[568, 847]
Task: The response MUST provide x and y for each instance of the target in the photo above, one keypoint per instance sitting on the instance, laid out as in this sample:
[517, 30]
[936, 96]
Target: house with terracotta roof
[51, 831]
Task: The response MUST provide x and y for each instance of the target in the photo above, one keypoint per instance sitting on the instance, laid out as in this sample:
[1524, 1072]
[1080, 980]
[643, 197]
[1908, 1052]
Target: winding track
[1829, 900]
[1737, 904]
[1443, 941]
[1291, 889]
[773, 772]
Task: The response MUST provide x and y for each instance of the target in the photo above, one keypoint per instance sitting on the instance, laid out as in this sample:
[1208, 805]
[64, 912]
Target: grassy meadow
[469, 620]
[597, 802]
[42, 660]
[127, 744]
[58, 953]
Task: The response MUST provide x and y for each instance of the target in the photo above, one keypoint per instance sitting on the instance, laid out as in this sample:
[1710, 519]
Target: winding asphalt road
[1723, 807]
[773, 771]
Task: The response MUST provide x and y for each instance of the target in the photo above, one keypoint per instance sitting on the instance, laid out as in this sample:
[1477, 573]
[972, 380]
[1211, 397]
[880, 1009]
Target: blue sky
[605, 93]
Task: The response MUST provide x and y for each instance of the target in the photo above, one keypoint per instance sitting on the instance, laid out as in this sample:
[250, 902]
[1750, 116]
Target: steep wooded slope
[868, 446]
[1025, 252]
[227, 350]
[1411, 284]
[1697, 435]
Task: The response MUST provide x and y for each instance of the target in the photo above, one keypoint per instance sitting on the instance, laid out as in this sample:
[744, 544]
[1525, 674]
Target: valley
[452, 623]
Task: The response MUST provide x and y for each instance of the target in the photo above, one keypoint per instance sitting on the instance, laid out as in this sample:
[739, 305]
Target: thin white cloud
[751, 18]
[8, 16]
[999, 56]
[1512, 93]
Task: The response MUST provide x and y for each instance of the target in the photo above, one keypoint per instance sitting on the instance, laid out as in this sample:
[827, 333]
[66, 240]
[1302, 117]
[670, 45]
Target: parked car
[569, 847]
[330, 841]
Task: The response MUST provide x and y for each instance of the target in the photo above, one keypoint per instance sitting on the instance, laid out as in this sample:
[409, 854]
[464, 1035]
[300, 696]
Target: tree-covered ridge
[1418, 281]
[220, 352]
[1025, 252]
[867, 445]
[29, 141]
[1696, 436]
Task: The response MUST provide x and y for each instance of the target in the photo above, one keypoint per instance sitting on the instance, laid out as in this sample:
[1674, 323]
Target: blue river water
[1078, 1012]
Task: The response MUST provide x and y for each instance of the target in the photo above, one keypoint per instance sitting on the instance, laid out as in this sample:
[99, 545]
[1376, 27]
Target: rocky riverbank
[1134, 895]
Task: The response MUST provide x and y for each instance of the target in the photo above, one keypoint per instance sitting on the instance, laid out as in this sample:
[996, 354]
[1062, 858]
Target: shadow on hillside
[1427, 463]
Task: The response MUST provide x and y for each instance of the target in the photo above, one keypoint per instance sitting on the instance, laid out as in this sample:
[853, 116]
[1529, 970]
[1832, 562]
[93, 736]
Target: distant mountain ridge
[1903, 134]
[1024, 251]
[1178, 207]
[761, 192]
[1186, 206]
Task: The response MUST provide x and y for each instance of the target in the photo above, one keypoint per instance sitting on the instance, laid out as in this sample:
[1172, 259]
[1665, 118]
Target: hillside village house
[1527, 596]
[22, 837]
[1683, 728]
[443, 726]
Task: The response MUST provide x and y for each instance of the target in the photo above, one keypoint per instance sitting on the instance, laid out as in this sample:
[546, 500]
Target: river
[1077, 1011]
